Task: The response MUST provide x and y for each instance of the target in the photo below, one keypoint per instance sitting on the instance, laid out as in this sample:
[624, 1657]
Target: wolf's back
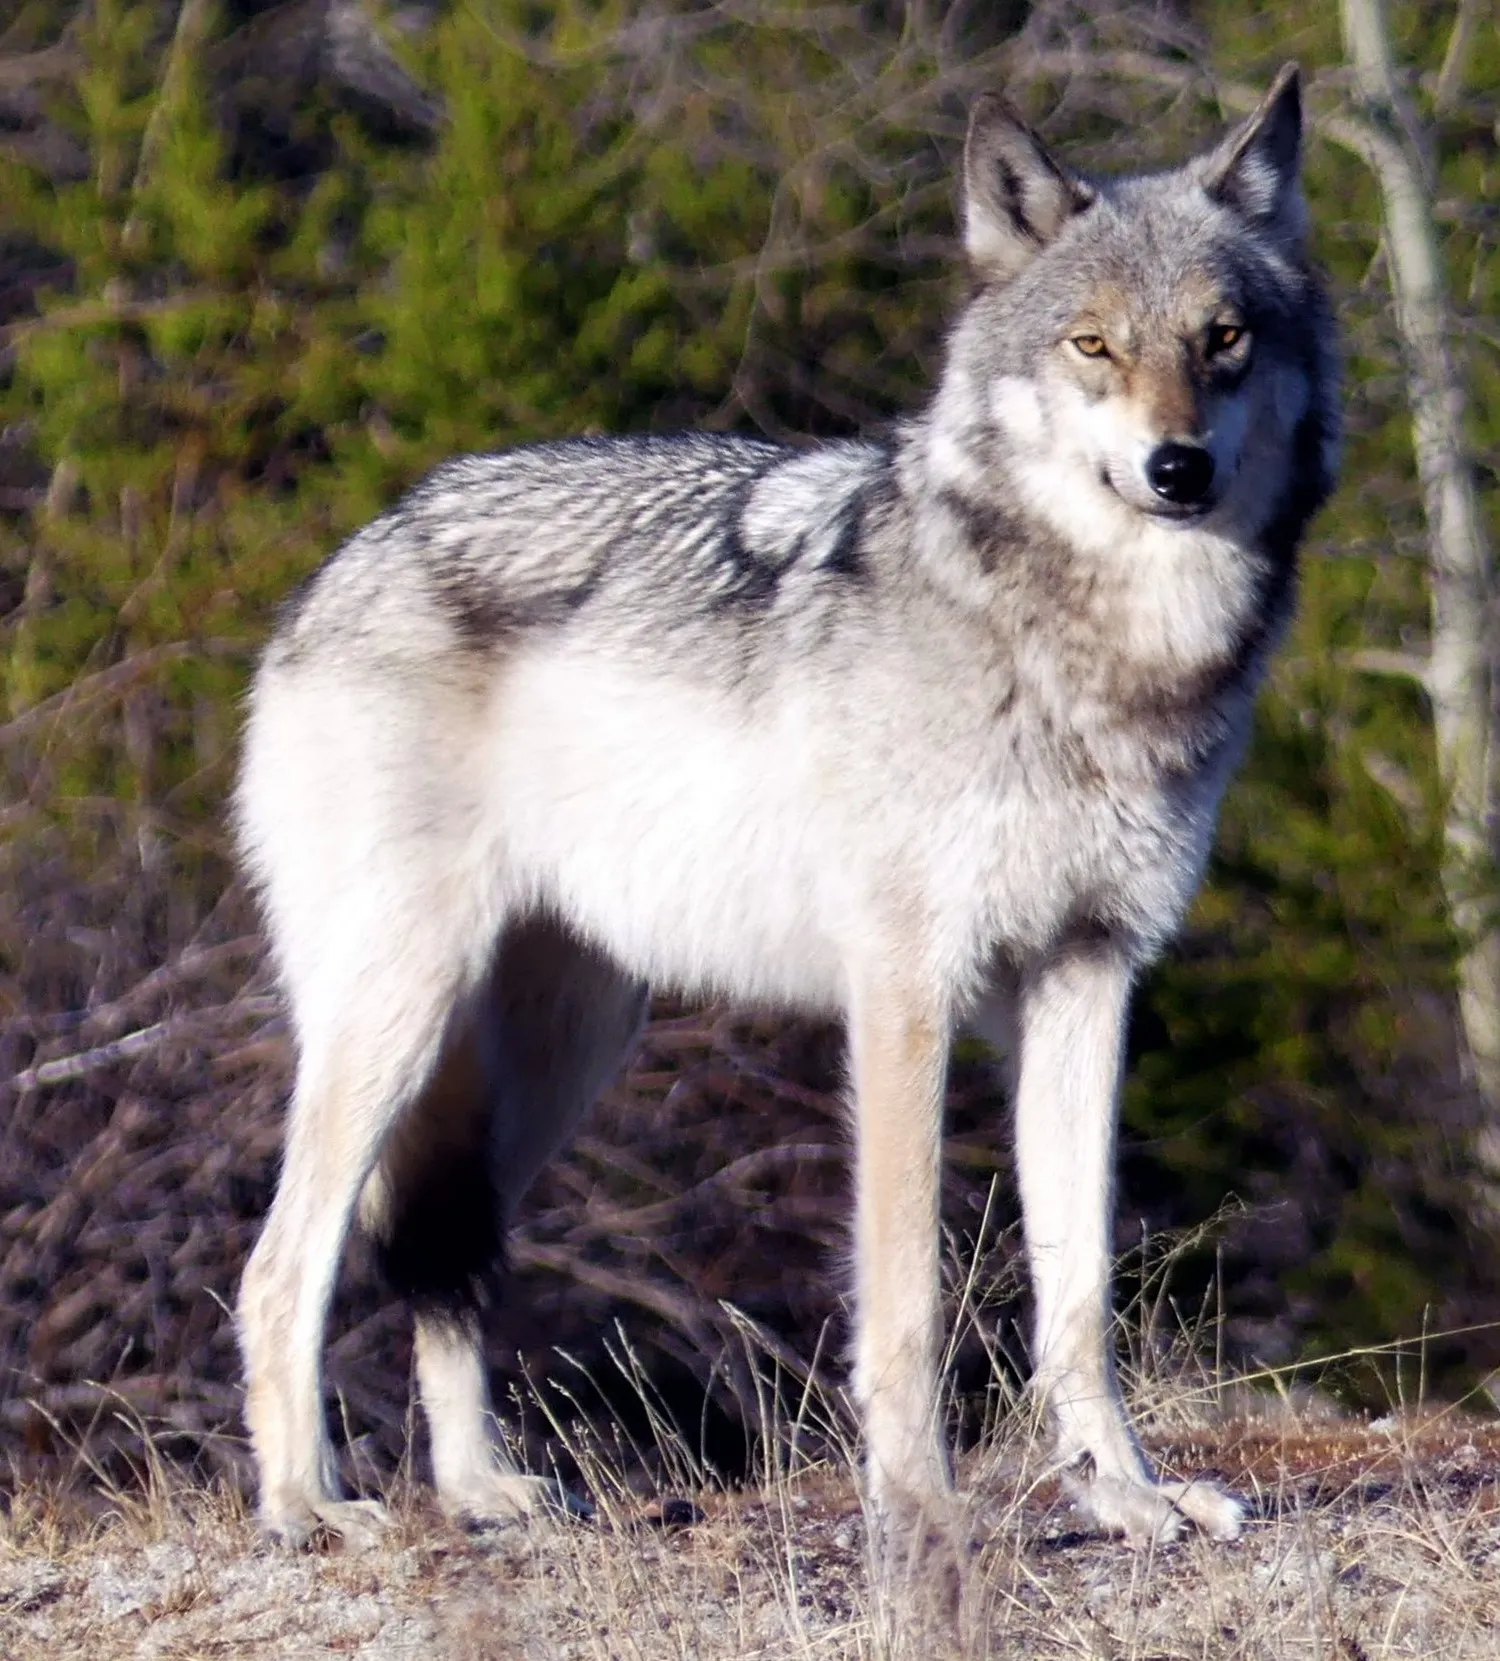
[648, 529]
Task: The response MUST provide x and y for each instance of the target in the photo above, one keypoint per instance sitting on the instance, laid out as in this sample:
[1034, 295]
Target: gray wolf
[921, 732]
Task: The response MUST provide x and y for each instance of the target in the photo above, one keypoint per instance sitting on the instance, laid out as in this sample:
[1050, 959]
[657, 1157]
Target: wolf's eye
[1224, 337]
[1092, 346]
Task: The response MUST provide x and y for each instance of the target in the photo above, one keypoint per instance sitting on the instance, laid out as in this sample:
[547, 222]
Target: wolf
[923, 731]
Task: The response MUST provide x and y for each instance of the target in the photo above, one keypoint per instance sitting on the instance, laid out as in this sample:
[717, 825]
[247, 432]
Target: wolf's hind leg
[368, 1040]
[1073, 1009]
[432, 1208]
[550, 1027]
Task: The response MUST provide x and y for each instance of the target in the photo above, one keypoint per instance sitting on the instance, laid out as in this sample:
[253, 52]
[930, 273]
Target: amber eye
[1224, 337]
[1092, 346]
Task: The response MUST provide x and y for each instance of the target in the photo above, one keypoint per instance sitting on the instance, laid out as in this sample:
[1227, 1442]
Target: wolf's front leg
[1072, 1023]
[898, 1046]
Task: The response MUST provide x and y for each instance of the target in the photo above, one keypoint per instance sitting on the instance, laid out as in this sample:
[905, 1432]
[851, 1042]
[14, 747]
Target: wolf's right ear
[1015, 197]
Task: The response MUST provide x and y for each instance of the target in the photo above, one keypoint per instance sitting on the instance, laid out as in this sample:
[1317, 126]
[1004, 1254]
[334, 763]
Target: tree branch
[1401, 665]
[1456, 59]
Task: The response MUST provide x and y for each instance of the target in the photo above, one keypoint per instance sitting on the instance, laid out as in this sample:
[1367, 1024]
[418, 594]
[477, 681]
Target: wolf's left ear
[1256, 169]
[1015, 197]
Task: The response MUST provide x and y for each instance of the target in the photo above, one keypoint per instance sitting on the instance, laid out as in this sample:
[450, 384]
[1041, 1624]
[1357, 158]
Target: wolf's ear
[1015, 197]
[1256, 169]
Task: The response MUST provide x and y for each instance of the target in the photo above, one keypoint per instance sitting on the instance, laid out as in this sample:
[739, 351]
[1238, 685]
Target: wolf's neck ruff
[911, 732]
[1147, 622]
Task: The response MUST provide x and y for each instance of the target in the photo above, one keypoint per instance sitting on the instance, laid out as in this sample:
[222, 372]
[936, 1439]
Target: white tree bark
[1459, 674]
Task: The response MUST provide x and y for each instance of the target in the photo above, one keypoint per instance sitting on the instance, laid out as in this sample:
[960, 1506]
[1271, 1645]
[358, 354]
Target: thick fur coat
[919, 732]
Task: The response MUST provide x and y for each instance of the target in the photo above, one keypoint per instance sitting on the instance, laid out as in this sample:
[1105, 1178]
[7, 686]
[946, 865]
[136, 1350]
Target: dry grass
[1368, 1541]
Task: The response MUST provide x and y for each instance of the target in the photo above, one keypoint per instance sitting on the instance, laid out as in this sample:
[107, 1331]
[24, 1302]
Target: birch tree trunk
[1459, 673]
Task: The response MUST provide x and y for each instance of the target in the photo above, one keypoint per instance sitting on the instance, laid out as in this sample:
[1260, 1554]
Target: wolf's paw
[1208, 1508]
[497, 1498]
[300, 1521]
[1145, 1511]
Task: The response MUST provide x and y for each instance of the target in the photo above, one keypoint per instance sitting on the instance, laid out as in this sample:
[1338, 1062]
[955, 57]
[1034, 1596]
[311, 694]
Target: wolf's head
[1153, 346]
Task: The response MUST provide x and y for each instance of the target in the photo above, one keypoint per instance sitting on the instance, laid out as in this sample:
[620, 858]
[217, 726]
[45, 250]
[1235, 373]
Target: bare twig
[1455, 67]
[1400, 665]
[119, 678]
[69, 1068]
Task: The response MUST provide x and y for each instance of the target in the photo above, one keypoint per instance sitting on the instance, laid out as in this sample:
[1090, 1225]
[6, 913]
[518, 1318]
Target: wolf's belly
[680, 837]
[712, 846]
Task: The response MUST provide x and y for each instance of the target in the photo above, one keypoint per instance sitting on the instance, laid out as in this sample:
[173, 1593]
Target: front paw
[298, 1520]
[1146, 1511]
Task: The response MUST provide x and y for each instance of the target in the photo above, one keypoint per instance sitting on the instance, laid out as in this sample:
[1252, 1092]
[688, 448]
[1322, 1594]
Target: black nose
[1180, 473]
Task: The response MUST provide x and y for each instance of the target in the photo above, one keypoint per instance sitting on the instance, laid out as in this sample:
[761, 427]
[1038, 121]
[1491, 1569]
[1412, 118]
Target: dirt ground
[1368, 1540]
